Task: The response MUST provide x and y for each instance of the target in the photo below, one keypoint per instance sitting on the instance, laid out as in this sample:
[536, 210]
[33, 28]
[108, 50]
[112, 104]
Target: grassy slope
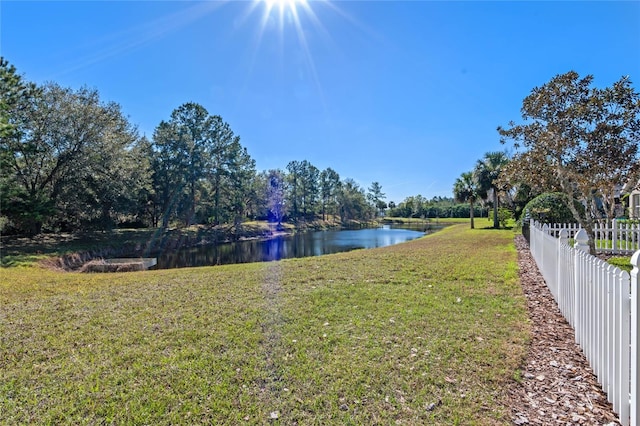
[426, 332]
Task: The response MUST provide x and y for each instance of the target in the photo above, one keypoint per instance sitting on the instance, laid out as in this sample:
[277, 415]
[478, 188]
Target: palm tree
[465, 190]
[486, 175]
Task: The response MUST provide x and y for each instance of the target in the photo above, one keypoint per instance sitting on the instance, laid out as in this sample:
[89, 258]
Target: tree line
[576, 140]
[70, 161]
[418, 206]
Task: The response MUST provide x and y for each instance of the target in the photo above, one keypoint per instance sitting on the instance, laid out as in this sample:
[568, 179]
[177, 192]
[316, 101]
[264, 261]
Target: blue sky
[408, 94]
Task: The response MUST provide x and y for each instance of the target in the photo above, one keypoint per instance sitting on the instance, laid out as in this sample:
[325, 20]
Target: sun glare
[283, 5]
[285, 11]
[290, 15]
[296, 26]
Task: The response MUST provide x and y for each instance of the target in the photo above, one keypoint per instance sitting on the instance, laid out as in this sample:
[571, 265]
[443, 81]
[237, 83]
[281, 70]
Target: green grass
[426, 332]
[420, 220]
[479, 222]
[620, 245]
[622, 262]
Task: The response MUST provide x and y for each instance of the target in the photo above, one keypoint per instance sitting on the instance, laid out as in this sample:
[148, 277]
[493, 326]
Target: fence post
[582, 241]
[635, 327]
[563, 238]
[583, 288]
[579, 298]
[532, 237]
[543, 260]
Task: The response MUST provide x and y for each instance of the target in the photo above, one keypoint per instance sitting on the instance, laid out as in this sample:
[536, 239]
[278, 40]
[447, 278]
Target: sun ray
[292, 13]
[292, 24]
[309, 59]
[138, 36]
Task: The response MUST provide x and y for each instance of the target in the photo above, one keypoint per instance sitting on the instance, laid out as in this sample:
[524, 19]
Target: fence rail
[600, 302]
[611, 236]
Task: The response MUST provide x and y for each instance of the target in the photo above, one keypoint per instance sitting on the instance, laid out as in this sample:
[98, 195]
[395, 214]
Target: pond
[289, 246]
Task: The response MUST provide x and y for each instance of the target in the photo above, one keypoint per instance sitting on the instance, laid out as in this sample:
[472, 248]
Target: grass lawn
[425, 332]
[433, 220]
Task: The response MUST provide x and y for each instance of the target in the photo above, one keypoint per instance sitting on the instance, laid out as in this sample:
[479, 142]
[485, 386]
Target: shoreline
[69, 252]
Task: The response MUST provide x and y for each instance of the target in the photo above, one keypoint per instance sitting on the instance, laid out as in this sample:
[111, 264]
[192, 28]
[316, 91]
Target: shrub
[550, 207]
[504, 215]
[5, 224]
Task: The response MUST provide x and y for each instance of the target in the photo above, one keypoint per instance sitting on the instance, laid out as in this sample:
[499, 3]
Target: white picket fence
[601, 303]
[610, 236]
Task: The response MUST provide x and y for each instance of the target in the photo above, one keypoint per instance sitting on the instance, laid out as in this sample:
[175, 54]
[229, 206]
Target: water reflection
[298, 245]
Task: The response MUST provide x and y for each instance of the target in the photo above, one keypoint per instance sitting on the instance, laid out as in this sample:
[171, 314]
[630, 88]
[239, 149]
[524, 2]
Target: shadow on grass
[491, 228]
